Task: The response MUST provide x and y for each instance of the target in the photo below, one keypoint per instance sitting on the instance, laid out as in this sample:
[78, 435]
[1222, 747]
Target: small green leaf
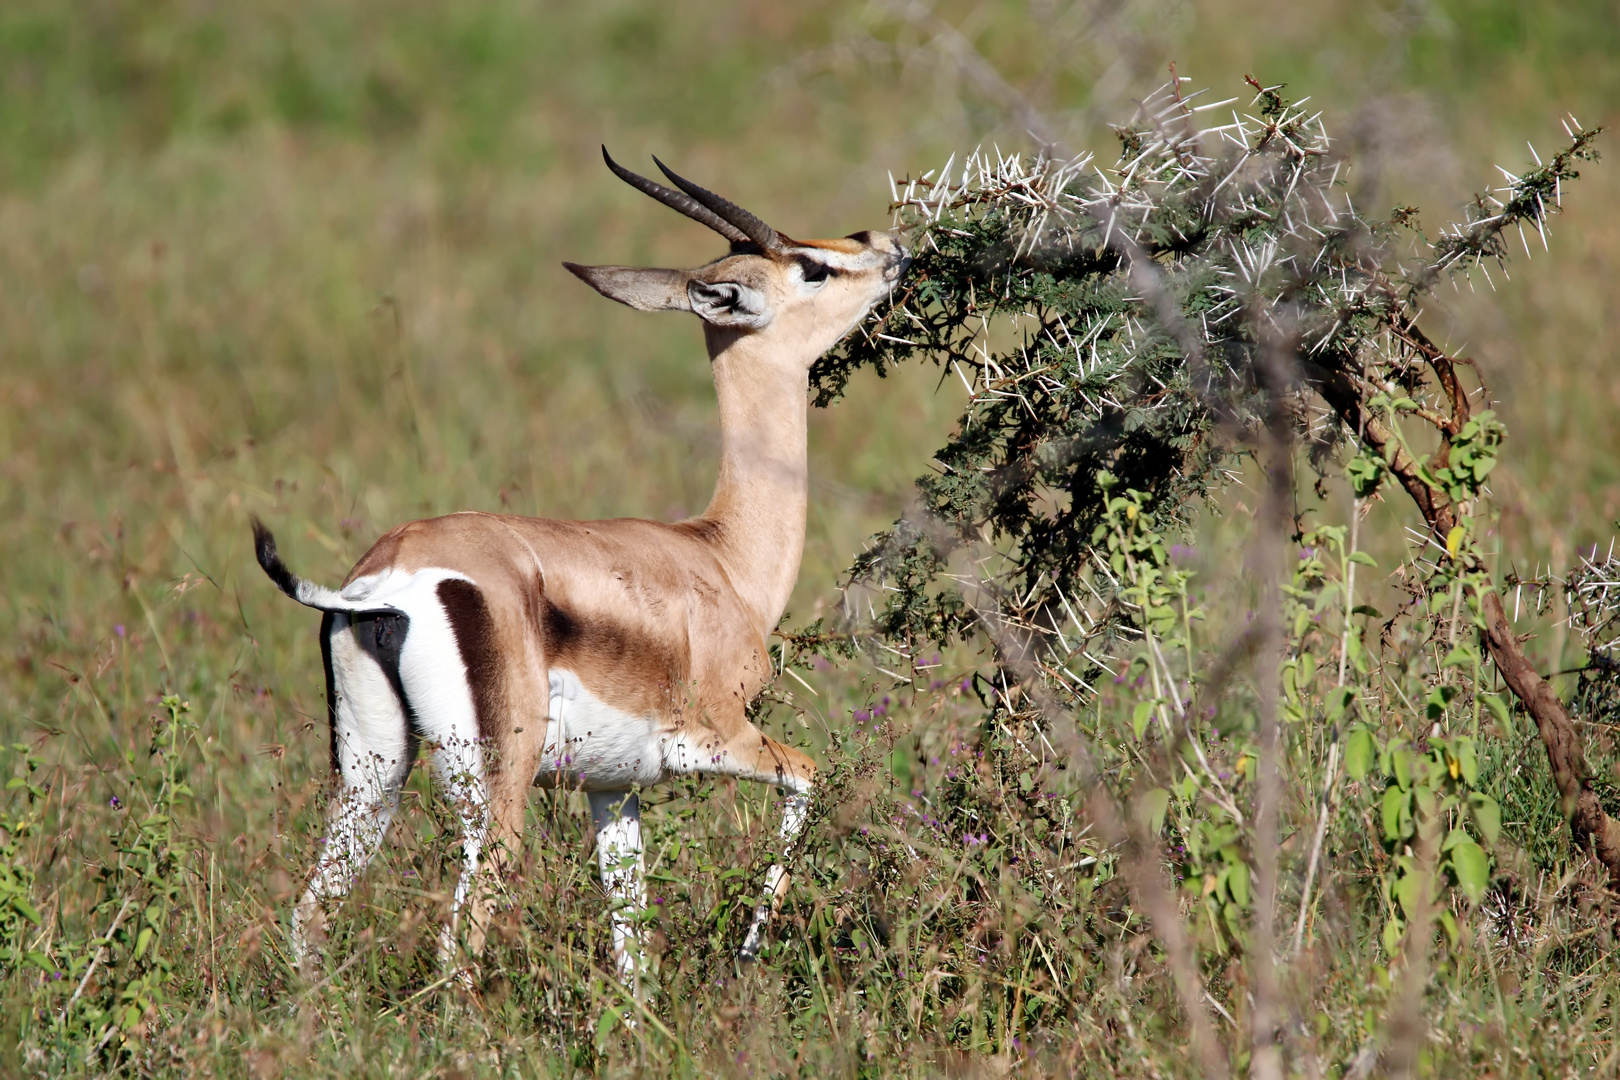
[145, 939]
[1359, 750]
[1401, 766]
[1140, 717]
[1498, 709]
[1395, 802]
[1424, 797]
[1487, 816]
[1152, 808]
[1386, 760]
[1364, 559]
[1392, 935]
[1440, 699]
[610, 1016]
[1406, 893]
[1237, 884]
[1448, 922]
[1473, 869]
[1462, 656]
[1467, 759]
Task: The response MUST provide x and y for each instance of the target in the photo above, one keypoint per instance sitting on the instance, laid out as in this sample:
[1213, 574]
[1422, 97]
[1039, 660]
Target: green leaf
[1364, 559]
[1473, 869]
[1448, 922]
[1237, 883]
[145, 939]
[1487, 816]
[1393, 929]
[1386, 760]
[1467, 759]
[1498, 709]
[1359, 750]
[1439, 699]
[1401, 766]
[1462, 656]
[610, 1016]
[1406, 893]
[1140, 717]
[1395, 803]
[1151, 809]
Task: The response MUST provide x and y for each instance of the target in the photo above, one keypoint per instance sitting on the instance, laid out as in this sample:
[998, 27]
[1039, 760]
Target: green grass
[301, 260]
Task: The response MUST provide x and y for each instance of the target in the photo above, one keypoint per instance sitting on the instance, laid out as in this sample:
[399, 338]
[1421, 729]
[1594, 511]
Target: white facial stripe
[846, 261]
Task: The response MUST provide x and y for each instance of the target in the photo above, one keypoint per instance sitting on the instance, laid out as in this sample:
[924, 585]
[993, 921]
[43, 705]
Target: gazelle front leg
[616, 816]
[795, 809]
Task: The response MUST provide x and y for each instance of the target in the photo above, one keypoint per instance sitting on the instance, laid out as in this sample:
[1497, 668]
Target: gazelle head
[800, 296]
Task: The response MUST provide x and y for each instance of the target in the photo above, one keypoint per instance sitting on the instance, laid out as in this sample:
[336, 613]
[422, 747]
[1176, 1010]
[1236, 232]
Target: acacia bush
[1127, 339]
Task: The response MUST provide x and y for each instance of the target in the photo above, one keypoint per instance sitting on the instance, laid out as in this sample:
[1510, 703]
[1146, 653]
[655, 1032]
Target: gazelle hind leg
[372, 749]
[616, 816]
[457, 769]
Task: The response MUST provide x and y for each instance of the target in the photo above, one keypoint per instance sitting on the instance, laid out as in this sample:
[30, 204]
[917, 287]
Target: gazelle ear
[728, 303]
[640, 288]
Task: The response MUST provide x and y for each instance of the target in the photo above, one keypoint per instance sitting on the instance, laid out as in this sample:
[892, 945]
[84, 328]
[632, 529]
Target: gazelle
[604, 655]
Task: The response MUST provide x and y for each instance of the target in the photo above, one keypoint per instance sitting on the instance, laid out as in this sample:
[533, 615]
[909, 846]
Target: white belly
[592, 745]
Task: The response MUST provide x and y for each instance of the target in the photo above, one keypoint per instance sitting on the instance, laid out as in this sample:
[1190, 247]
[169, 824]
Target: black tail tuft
[264, 546]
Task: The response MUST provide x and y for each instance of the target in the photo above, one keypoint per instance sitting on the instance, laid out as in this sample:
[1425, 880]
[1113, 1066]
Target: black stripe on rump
[381, 636]
[327, 618]
[475, 637]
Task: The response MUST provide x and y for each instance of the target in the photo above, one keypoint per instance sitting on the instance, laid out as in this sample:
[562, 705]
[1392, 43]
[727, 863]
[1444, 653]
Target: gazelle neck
[762, 493]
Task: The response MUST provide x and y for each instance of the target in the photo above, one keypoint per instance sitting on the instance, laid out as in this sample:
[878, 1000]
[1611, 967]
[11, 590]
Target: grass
[301, 260]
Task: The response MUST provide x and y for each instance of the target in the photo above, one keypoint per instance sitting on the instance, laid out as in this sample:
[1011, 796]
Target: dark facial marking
[814, 269]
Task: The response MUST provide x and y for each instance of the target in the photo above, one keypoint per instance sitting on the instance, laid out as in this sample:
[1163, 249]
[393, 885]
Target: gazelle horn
[756, 230]
[676, 201]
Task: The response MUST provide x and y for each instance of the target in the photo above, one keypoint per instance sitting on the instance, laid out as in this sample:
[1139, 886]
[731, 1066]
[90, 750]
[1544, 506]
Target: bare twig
[95, 961]
[1331, 778]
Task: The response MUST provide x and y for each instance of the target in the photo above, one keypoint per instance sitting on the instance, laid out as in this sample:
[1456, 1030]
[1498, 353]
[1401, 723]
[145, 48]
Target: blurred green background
[302, 259]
